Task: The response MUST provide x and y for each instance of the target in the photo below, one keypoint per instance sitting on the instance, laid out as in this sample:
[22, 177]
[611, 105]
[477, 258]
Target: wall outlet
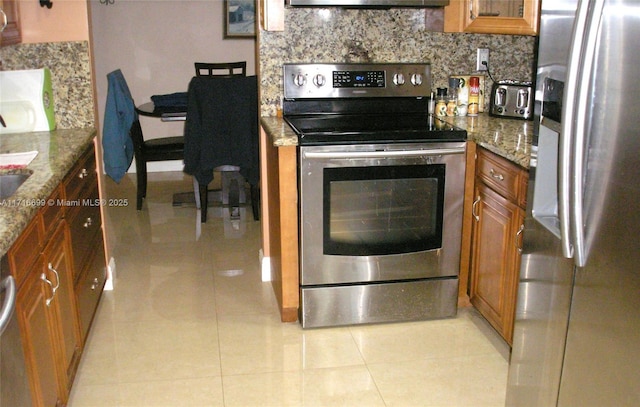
[483, 56]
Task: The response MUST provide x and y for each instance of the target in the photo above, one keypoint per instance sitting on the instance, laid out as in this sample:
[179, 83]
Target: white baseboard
[111, 275]
[265, 264]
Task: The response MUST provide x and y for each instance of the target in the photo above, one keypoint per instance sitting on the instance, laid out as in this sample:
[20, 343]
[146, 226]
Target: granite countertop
[509, 138]
[58, 151]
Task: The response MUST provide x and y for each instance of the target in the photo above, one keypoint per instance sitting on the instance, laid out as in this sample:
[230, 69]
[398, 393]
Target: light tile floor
[191, 324]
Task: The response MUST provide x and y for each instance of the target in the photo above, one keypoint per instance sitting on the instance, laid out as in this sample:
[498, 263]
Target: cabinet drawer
[82, 176]
[89, 287]
[84, 223]
[498, 173]
[25, 250]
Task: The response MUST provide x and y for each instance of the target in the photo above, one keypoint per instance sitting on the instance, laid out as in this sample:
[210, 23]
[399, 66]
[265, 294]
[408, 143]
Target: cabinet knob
[95, 283]
[496, 175]
[88, 222]
[83, 173]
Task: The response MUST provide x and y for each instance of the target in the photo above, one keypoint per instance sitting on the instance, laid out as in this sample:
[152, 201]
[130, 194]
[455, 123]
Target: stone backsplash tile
[395, 35]
[70, 68]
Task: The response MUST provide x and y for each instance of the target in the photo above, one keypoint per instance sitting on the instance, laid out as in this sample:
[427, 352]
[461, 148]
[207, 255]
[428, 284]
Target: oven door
[380, 212]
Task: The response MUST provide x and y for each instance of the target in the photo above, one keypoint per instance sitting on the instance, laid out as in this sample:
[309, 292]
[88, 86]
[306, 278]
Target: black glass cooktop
[365, 128]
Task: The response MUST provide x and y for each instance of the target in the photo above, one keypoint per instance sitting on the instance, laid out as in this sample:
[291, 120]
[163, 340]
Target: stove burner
[357, 129]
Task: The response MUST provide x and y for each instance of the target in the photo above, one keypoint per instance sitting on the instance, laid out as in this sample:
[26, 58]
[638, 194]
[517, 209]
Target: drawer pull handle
[50, 267]
[83, 173]
[496, 175]
[43, 277]
[519, 238]
[88, 222]
[5, 21]
[473, 209]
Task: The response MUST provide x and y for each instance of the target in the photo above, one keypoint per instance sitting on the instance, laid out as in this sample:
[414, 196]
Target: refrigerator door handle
[580, 138]
[567, 132]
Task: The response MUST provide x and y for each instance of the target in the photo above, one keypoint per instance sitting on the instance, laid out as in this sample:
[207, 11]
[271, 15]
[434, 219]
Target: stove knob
[319, 80]
[398, 79]
[416, 79]
[300, 80]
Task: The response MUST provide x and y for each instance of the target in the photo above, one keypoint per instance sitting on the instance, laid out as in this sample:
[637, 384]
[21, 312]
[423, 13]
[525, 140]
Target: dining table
[164, 113]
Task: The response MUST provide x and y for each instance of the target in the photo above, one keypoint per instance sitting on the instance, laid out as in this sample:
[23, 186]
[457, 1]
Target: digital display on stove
[358, 79]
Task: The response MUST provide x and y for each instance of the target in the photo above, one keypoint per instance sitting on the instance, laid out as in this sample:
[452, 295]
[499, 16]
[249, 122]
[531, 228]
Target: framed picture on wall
[240, 18]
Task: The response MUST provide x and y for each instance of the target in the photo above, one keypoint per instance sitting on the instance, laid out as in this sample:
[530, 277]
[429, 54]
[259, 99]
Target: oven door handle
[383, 154]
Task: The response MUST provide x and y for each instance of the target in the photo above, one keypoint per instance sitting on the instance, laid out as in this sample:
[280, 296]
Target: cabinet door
[38, 337]
[519, 17]
[495, 258]
[58, 269]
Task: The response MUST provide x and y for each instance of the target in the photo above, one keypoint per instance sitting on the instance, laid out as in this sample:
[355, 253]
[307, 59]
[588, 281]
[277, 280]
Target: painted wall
[65, 21]
[155, 44]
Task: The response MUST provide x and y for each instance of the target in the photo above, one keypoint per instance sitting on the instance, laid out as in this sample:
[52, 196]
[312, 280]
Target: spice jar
[463, 100]
[452, 105]
[474, 96]
[441, 102]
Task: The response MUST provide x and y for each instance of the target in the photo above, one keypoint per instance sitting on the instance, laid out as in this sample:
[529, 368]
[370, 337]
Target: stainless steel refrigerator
[577, 332]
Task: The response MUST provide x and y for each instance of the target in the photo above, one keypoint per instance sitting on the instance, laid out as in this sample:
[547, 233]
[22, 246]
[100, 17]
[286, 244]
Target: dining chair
[120, 105]
[232, 182]
[145, 151]
[221, 68]
[221, 131]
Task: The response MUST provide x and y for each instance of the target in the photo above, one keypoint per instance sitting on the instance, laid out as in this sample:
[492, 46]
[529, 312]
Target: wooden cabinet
[85, 224]
[520, 17]
[498, 212]
[59, 265]
[279, 220]
[272, 15]
[58, 271]
[11, 32]
[46, 307]
[38, 335]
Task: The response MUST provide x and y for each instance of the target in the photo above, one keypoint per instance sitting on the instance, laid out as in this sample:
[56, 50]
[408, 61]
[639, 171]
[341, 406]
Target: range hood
[367, 3]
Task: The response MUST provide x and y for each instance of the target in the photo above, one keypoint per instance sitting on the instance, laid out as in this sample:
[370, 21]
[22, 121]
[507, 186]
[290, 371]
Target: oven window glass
[383, 209]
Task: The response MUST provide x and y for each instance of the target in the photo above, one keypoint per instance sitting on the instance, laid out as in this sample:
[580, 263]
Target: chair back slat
[224, 69]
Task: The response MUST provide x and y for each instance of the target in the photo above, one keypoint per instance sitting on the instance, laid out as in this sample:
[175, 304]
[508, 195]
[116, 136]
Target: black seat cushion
[166, 148]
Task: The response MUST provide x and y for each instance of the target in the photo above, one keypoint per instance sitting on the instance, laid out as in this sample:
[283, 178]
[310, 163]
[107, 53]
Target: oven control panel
[319, 81]
[358, 79]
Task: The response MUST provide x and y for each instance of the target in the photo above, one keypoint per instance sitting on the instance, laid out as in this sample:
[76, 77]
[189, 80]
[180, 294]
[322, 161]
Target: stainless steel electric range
[381, 186]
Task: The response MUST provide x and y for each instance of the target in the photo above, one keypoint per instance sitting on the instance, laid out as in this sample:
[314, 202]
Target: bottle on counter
[474, 96]
[441, 102]
[463, 100]
[452, 105]
[432, 103]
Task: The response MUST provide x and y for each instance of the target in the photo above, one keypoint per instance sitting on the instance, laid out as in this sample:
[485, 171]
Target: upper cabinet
[272, 15]
[518, 17]
[9, 19]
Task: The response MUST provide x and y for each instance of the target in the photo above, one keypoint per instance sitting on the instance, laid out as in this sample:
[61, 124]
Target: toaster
[512, 99]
